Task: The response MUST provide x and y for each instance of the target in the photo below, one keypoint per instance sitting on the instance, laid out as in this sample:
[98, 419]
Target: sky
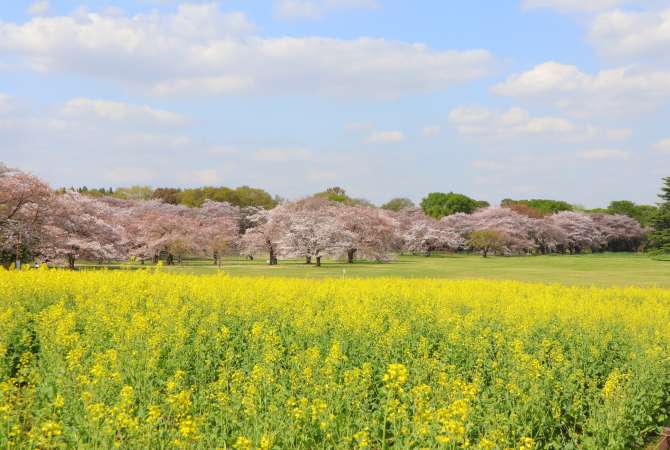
[565, 99]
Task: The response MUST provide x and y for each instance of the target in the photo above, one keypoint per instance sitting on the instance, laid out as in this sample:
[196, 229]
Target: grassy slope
[599, 269]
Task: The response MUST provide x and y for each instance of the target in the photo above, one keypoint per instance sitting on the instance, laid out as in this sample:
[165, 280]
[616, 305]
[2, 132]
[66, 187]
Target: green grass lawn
[597, 269]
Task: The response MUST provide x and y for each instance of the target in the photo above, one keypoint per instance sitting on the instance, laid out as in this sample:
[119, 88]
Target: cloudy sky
[564, 99]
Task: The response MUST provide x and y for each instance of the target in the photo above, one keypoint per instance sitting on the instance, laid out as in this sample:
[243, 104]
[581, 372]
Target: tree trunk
[273, 257]
[70, 262]
[485, 252]
[216, 258]
[170, 259]
[308, 259]
[18, 253]
[350, 255]
[318, 261]
[155, 258]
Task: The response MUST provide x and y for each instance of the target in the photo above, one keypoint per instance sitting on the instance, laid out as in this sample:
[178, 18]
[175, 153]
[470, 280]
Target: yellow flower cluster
[145, 359]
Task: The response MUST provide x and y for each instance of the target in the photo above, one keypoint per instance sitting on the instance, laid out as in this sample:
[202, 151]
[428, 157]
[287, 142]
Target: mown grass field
[613, 269]
[152, 359]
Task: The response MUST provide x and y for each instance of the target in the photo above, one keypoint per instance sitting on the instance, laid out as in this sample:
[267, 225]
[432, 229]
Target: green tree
[659, 240]
[334, 194]
[439, 204]
[542, 205]
[486, 241]
[249, 196]
[398, 203]
[647, 213]
[642, 213]
[134, 193]
[339, 195]
[625, 207]
[242, 196]
[194, 197]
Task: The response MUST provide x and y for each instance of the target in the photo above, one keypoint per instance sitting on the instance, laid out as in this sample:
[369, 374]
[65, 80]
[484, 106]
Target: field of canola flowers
[145, 359]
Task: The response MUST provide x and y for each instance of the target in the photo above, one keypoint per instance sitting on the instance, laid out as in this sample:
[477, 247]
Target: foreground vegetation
[144, 359]
[603, 269]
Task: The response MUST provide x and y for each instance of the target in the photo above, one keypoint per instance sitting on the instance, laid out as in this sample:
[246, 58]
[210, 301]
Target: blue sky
[531, 98]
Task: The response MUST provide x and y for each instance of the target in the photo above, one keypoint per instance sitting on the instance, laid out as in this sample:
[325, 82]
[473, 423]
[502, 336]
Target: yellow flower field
[145, 359]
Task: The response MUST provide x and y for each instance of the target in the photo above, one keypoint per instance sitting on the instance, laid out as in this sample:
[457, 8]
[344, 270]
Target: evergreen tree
[665, 191]
[660, 237]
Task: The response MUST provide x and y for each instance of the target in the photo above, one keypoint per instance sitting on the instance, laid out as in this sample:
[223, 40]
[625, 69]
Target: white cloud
[479, 121]
[572, 5]
[119, 111]
[543, 78]
[431, 130]
[662, 146]
[603, 153]
[315, 9]
[38, 8]
[515, 123]
[614, 91]
[626, 34]
[203, 86]
[199, 49]
[282, 154]
[385, 137]
[99, 128]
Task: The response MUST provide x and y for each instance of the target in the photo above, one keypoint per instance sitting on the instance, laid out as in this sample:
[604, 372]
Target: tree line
[241, 196]
[435, 204]
[66, 225]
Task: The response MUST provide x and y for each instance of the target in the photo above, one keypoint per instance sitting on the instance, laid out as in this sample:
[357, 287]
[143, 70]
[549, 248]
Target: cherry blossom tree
[79, 227]
[512, 229]
[267, 230]
[619, 232]
[460, 223]
[217, 228]
[173, 233]
[24, 204]
[426, 235]
[370, 232]
[548, 236]
[155, 228]
[68, 226]
[580, 231]
[132, 216]
[404, 220]
[313, 230]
